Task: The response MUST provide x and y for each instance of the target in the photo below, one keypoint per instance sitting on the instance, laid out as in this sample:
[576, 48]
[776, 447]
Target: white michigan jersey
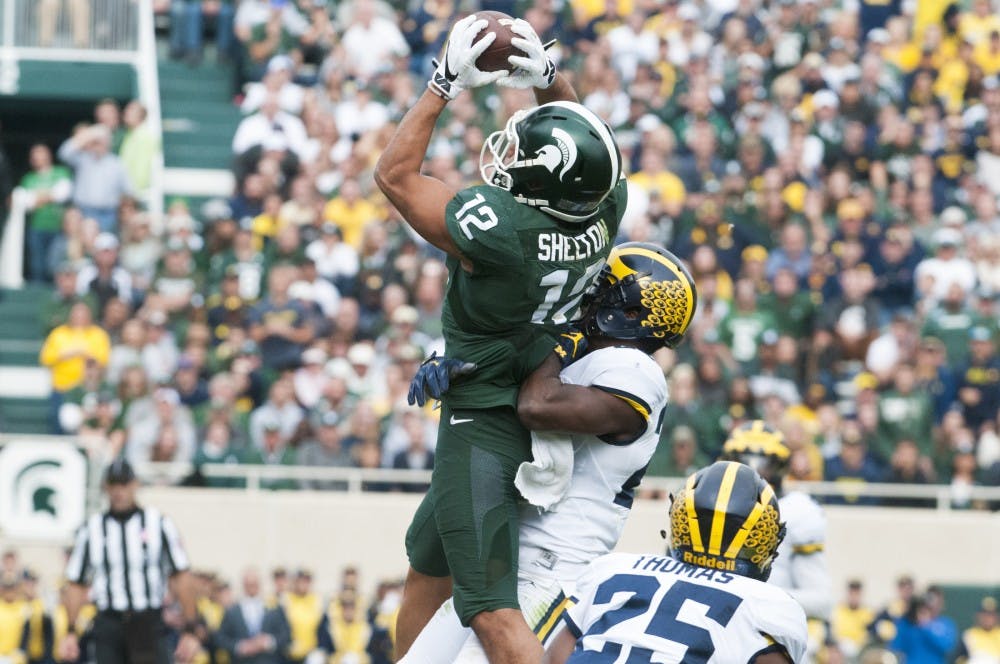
[589, 520]
[800, 567]
[633, 608]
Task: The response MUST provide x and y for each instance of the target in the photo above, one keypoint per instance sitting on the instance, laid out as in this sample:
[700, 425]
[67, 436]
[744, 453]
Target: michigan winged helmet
[644, 293]
[726, 517]
[762, 448]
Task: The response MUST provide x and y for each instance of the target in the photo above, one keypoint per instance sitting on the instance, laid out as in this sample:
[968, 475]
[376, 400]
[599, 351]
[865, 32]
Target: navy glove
[434, 377]
[571, 346]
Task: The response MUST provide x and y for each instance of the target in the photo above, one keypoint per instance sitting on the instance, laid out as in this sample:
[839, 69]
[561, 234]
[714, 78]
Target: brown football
[495, 57]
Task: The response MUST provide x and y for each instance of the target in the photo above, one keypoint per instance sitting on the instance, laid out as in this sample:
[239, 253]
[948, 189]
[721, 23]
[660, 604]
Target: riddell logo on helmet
[710, 561]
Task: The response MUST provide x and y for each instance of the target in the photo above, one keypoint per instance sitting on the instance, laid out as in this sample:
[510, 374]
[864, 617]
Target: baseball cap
[119, 472]
[813, 61]
[850, 208]
[755, 252]
[271, 424]
[314, 356]
[167, 395]
[65, 267]
[362, 354]
[988, 605]
[105, 241]
[980, 333]
[878, 35]
[769, 337]
[953, 216]
[329, 228]
[405, 315]
[301, 290]
[280, 63]
[329, 419]
[947, 237]
[825, 99]
[751, 60]
[185, 362]
[216, 209]
[688, 12]
[865, 381]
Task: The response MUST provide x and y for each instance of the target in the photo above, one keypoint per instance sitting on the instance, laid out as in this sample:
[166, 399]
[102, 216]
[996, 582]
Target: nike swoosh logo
[454, 421]
[448, 73]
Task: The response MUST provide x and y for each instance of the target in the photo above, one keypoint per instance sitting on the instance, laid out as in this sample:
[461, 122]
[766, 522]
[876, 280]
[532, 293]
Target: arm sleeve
[480, 224]
[51, 348]
[781, 619]
[814, 588]
[633, 377]
[177, 558]
[79, 560]
[69, 153]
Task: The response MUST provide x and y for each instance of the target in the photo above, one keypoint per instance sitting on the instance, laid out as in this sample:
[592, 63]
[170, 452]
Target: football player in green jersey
[522, 249]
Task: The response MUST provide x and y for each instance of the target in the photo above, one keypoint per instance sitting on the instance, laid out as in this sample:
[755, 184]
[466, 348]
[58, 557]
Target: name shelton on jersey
[559, 247]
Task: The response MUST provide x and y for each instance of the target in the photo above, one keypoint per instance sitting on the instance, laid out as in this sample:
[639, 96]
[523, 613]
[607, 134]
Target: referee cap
[119, 472]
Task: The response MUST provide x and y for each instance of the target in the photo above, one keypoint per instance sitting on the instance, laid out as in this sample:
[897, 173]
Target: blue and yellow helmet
[762, 448]
[726, 518]
[645, 294]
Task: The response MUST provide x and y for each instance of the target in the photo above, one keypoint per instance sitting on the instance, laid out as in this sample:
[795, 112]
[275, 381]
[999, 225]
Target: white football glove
[457, 70]
[535, 68]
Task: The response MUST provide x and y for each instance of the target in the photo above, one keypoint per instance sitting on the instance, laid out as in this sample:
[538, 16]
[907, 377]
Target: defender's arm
[545, 403]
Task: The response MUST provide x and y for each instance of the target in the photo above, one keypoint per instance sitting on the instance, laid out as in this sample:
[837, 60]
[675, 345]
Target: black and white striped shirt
[127, 561]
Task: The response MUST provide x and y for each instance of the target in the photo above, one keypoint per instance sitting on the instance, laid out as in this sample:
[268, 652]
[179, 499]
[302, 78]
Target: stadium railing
[119, 31]
[255, 478]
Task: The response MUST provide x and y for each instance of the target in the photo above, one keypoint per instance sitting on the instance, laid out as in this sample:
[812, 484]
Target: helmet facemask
[500, 152]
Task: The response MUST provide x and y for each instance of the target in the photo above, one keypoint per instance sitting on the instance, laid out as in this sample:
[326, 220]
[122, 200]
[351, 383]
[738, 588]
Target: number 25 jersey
[529, 273]
[634, 608]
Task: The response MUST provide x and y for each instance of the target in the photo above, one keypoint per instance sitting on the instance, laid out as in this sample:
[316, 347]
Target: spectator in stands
[268, 129]
[49, 187]
[418, 454]
[923, 634]
[280, 325]
[279, 408]
[274, 450]
[187, 27]
[850, 620]
[79, 18]
[325, 451]
[251, 632]
[140, 148]
[304, 611]
[907, 466]
[852, 466]
[979, 383]
[54, 311]
[67, 351]
[371, 41]
[100, 182]
[277, 82]
[982, 640]
[167, 434]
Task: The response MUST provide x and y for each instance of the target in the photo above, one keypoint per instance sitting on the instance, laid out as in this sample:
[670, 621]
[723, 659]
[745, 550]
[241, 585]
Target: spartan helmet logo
[563, 152]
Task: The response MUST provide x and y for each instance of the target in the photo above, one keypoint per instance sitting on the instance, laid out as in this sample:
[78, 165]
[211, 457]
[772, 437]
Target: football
[495, 57]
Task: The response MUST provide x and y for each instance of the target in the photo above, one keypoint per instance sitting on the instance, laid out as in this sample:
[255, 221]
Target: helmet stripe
[602, 130]
[693, 524]
[744, 531]
[721, 504]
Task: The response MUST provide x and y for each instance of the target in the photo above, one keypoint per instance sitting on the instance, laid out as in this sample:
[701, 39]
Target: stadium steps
[24, 385]
[199, 118]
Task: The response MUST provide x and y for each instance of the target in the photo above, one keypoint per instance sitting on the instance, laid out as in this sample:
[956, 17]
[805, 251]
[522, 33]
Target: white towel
[545, 481]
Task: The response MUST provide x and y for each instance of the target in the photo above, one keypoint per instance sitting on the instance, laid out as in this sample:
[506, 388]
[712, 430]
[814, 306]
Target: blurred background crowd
[288, 619]
[829, 169]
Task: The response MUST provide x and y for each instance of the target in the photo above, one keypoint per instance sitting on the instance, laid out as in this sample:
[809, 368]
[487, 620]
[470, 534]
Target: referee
[126, 557]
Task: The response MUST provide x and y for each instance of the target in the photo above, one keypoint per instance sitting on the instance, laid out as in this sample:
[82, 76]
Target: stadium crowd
[292, 621]
[830, 171]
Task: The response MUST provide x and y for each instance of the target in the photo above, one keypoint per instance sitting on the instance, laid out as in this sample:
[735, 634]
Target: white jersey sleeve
[656, 608]
[627, 373]
[801, 566]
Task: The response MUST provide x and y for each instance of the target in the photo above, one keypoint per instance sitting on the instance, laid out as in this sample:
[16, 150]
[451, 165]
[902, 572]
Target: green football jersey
[529, 273]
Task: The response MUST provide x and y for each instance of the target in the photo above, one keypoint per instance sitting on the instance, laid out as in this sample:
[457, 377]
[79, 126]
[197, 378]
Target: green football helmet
[559, 157]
